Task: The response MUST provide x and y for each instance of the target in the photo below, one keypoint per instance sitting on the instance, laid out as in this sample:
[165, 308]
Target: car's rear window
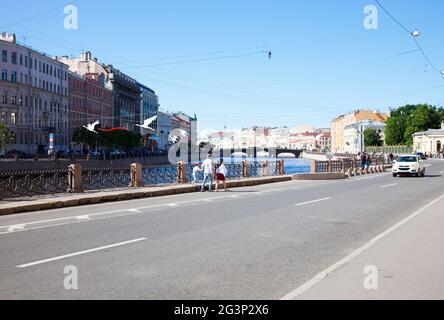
[408, 159]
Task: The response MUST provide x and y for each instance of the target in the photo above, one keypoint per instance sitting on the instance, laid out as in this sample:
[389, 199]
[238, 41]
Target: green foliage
[372, 138]
[123, 140]
[407, 120]
[84, 136]
[6, 136]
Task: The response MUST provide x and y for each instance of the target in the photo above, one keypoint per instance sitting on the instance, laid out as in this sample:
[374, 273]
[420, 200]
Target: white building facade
[354, 135]
[430, 142]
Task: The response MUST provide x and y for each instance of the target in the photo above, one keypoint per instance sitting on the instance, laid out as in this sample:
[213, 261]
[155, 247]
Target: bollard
[75, 178]
[182, 172]
[137, 176]
[245, 172]
[314, 166]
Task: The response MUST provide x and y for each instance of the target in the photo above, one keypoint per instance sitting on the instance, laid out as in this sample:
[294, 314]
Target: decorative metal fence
[30, 182]
[396, 150]
[322, 166]
[105, 178]
[161, 176]
[345, 165]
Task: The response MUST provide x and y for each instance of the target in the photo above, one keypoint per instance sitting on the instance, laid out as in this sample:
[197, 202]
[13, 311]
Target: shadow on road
[426, 176]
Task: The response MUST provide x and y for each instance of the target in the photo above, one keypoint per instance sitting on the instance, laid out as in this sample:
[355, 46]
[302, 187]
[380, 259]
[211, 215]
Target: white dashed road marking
[80, 253]
[311, 202]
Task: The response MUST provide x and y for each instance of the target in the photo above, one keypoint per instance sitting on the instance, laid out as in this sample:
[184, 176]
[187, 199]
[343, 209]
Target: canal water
[292, 166]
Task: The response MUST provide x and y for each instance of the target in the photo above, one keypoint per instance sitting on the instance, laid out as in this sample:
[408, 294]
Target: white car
[411, 165]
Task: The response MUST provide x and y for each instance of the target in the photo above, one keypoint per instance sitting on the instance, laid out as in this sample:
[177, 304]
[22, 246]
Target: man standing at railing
[207, 167]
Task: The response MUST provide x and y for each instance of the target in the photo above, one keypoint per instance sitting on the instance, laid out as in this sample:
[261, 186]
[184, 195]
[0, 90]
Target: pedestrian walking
[221, 176]
[196, 171]
[368, 162]
[207, 167]
[363, 160]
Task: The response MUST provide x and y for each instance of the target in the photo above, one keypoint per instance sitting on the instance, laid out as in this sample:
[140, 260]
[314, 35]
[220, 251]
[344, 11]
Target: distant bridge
[258, 152]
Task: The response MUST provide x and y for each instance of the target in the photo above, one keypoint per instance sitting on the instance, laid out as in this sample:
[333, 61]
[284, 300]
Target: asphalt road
[253, 243]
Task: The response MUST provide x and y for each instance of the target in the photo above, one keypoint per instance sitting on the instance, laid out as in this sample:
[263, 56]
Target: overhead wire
[414, 37]
[38, 15]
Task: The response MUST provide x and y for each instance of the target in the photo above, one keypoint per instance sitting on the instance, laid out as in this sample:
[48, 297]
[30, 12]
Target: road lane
[253, 246]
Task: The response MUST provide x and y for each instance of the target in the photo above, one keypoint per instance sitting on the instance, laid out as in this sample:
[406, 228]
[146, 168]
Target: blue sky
[324, 62]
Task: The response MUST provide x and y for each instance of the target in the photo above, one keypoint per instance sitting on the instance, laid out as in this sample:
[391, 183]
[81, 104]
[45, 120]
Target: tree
[397, 124]
[124, 140]
[424, 117]
[372, 138]
[84, 136]
[6, 136]
[407, 120]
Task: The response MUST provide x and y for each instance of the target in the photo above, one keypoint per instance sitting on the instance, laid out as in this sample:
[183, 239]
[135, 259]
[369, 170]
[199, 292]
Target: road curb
[115, 196]
[319, 176]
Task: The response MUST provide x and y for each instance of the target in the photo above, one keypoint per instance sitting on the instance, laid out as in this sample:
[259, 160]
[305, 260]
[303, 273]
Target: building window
[5, 75]
[21, 59]
[3, 117]
[4, 98]
[13, 118]
[26, 61]
[14, 76]
[14, 57]
[4, 56]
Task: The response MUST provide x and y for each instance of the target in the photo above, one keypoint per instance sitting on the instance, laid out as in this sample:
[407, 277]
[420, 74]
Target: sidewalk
[409, 261]
[71, 200]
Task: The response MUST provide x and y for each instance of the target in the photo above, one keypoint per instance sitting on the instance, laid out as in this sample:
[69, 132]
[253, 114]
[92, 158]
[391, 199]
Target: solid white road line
[324, 274]
[389, 185]
[80, 253]
[311, 202]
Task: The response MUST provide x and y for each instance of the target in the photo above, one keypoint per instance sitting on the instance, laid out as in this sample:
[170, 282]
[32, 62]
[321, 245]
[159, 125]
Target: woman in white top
[221, 176]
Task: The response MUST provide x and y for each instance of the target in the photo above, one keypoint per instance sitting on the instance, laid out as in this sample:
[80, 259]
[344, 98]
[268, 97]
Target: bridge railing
[345, 165]
[75, 179]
